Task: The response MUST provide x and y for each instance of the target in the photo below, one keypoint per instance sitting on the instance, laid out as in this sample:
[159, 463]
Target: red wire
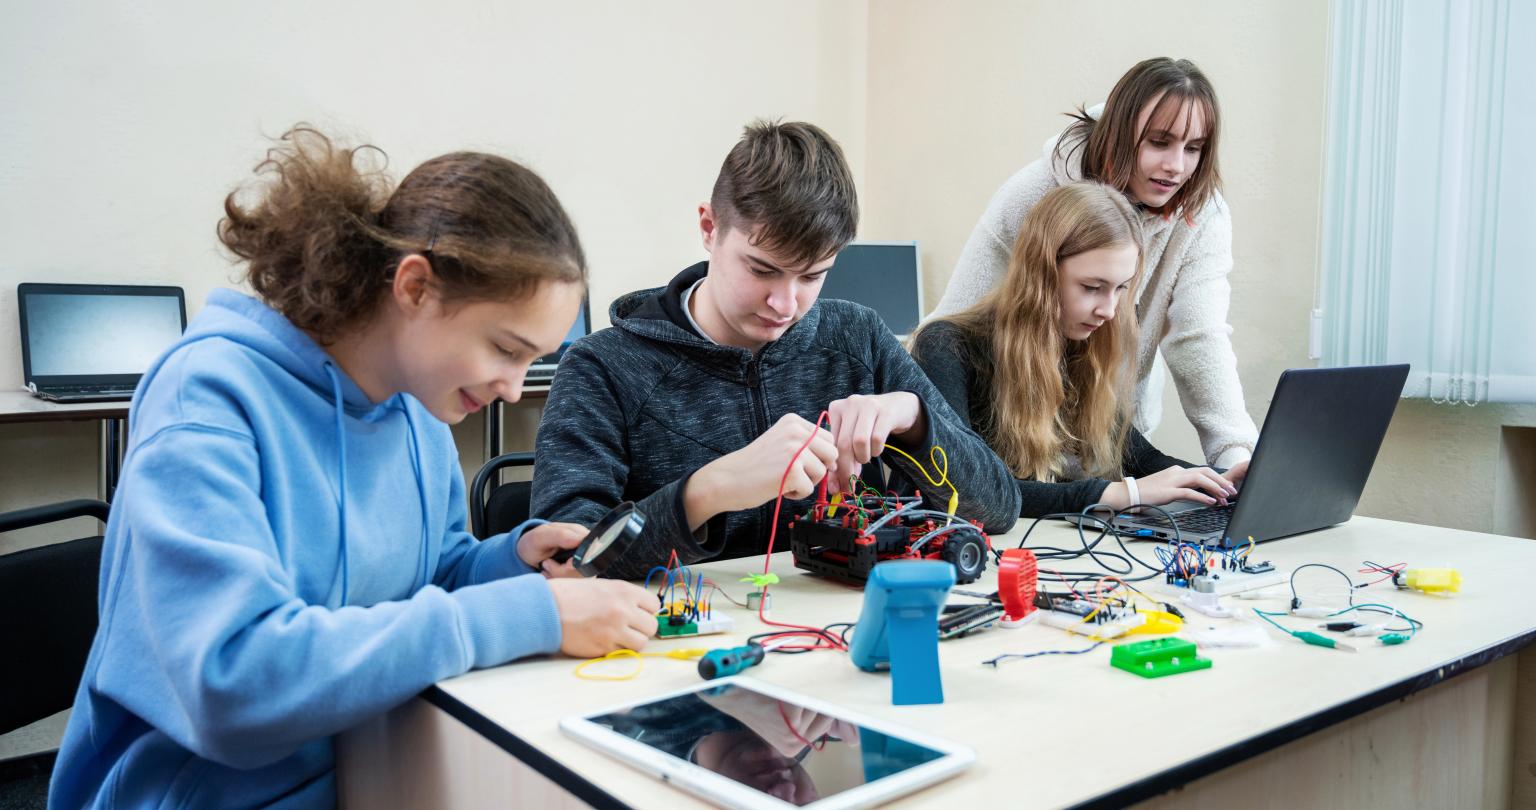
[1393, 569]
[823, 640]
[800, 738]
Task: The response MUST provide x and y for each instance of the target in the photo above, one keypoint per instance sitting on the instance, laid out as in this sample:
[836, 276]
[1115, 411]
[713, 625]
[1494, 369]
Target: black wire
[1296, 599]
[1127, 561]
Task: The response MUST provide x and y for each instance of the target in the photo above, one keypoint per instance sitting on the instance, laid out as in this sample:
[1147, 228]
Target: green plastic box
[1158, 657]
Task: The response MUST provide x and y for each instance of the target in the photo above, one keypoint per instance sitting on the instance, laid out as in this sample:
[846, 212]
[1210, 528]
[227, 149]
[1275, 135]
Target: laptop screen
[579, 329]
[882, 276]
[107, 333]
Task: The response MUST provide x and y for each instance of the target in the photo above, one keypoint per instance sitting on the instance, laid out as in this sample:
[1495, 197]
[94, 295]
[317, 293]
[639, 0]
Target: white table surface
[1151, 726]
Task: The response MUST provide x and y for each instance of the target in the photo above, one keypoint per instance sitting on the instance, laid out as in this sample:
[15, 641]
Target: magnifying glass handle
[563, 555]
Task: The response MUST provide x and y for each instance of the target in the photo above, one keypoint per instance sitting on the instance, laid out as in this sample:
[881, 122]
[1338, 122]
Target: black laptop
[1320, 438]
[92, 342]
[542, 372]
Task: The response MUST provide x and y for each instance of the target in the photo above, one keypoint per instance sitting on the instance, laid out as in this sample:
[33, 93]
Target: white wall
[124, 126]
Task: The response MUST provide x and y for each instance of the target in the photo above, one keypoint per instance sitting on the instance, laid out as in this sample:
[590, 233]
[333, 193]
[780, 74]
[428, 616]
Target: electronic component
[1222, 583]
[847, 540]
[1157, 658]
[897, 627]
[1017, 580]
[1207, 603]
[677, 626]
[958, 621]
[1115, 624]
[685, 606]
[1438, 581]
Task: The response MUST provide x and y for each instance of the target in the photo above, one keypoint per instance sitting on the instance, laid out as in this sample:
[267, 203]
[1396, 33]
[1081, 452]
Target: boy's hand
[861, 425]
[750, 476]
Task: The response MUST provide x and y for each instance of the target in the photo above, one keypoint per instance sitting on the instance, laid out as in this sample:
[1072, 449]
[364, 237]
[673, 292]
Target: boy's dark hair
[791, 184]
[323, 237]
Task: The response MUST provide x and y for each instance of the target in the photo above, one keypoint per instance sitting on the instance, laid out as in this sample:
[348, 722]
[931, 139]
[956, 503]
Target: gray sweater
[1182, 304]
[637, 408]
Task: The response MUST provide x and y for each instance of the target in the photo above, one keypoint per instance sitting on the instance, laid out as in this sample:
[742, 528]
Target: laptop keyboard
[1207, 519]
[93, 391]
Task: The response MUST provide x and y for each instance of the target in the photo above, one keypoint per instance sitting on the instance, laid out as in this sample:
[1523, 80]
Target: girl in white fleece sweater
[1154, 140]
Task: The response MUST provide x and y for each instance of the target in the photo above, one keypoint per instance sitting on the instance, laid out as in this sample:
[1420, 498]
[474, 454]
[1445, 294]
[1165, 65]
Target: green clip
[761, 580]
[1158, 657]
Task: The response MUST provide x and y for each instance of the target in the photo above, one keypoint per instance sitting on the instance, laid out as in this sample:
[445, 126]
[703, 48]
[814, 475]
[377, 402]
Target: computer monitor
[884, 276]
[544, 367]
[74, 334]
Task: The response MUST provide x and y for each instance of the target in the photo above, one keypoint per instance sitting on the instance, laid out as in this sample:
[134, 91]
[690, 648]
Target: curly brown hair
[324, 235]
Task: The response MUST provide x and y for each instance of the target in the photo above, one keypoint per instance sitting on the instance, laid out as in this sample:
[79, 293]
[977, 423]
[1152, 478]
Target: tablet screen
[770, 745]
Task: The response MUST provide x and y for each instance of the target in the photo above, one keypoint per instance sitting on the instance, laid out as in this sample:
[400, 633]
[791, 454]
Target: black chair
[493, 511]
[48, 599]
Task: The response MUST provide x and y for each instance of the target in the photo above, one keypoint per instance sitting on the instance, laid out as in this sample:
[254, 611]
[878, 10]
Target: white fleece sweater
[1182, 304]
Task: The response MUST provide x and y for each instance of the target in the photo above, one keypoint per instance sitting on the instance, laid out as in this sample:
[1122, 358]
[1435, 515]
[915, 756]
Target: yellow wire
[940, 461]
[684, 654]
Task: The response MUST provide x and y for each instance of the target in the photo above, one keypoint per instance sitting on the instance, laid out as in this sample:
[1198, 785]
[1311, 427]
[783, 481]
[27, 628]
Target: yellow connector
[1430, 580]
[1158, 622]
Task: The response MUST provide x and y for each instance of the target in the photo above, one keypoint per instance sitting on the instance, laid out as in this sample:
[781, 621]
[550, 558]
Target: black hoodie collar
[657, 315]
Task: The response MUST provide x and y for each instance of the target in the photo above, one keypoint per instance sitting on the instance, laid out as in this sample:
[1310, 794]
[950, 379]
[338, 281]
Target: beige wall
[124, 128]
[961, 95]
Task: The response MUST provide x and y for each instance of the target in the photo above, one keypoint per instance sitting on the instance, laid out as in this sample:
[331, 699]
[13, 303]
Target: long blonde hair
[1052, 397]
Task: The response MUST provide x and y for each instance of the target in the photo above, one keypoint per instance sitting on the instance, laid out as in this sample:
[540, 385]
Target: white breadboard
[1071, 622]
[708, 624]
[1228, 582]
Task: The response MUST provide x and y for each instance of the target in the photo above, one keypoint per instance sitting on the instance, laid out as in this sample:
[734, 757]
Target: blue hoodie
[284, 560]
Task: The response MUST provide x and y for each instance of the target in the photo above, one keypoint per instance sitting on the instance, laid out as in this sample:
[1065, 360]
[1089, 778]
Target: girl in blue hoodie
[287, 554]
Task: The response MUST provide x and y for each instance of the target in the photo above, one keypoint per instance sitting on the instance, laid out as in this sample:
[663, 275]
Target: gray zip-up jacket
[637, 408]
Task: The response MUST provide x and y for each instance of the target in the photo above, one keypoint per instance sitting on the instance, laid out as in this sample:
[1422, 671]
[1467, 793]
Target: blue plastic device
[899, 627]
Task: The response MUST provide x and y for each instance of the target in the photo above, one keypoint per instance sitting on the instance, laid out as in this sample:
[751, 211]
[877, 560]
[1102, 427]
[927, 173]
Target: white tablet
[742, 743]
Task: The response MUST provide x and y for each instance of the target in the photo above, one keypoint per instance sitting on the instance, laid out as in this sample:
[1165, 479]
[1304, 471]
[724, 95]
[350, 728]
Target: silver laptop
[92, 342]
[884, 276]
[542, 372]
[1320, 439]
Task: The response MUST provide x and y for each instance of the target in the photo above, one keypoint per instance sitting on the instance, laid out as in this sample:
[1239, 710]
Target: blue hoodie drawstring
[423, 576]
[341, 452]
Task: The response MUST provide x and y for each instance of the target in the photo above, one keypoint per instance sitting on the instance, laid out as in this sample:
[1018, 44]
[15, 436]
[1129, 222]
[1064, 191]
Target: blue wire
[993, 662]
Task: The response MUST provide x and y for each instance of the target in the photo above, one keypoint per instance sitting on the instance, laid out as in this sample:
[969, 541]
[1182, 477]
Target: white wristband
[1130, 489]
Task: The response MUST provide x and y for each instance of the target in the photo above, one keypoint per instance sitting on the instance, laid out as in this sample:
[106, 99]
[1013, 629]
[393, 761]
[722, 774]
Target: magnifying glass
[606, 542]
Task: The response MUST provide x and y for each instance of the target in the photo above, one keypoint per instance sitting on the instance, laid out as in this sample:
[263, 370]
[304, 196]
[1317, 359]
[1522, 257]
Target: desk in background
[495, 442]
[21, 406]
[1441, 721]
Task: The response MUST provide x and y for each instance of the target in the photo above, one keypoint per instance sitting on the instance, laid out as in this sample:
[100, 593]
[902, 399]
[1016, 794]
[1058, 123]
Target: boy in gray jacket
[695, 403]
